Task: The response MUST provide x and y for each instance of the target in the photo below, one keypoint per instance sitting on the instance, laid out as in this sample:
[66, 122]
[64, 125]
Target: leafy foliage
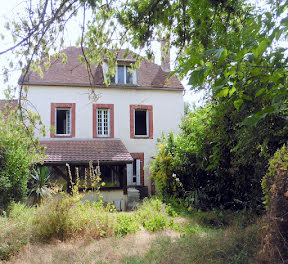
[19, 150]
[275, 187]
[39, 184]
[216, 161]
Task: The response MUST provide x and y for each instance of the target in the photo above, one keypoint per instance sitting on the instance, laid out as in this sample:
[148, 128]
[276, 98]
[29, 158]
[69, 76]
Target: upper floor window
[63, 119]
[141, 121]
[124, 75]
[103, 120]
[103, 124]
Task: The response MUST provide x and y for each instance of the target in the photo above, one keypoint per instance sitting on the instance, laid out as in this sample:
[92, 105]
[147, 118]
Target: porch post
[125, 196]
[125, 180]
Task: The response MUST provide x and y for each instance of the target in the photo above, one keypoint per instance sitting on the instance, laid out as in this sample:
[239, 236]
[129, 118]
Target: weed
[126, 224]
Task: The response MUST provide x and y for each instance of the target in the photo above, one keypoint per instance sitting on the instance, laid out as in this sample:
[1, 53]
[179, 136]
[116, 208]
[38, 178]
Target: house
[116, 125]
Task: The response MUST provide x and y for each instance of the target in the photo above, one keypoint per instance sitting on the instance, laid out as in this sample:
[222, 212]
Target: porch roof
[59, 151]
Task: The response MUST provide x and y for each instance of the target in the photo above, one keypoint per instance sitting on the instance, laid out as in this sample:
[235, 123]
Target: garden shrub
[126, 224]
[216, 161]
[153, 215]
[65, 216]
[275, 187]
[18, 151]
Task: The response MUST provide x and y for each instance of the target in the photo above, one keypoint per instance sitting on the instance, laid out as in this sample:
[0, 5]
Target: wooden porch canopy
[81, 151]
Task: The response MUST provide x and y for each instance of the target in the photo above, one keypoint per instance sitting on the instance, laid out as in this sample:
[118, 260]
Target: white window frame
[147, 122]
[125, 75]
[68, 121]
[102, 122]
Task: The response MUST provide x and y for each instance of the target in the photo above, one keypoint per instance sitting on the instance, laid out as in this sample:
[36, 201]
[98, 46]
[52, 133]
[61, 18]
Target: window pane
[140, 122]
[120, 74]
[134, 171]
[99, 122]
[103, 122]
[129, 75]
[110, 177]
[63, 121]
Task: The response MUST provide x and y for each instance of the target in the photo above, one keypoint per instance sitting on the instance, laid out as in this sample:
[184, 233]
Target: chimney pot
[165, 55]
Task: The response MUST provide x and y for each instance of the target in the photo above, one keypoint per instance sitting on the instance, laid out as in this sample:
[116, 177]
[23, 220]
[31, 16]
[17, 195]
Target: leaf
[219, 52]
[264, 44]
[238, 103]
[252, 120]
[259, 92]
[246, 97]
[223, 92]
[232, 91]
[197, 77]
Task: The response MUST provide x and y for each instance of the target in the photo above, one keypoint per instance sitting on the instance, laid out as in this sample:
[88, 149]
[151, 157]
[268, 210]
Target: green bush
[126, 224]
[275, 187]
[18, 151]
[154, 215]
[215, 161]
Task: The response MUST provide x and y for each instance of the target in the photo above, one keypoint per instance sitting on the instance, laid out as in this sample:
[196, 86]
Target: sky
[11, 9]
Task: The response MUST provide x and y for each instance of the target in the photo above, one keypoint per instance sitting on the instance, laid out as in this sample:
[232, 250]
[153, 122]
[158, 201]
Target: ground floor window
[111, 176]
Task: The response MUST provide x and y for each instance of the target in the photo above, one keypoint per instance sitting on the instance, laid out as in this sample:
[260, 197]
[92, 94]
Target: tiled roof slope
[65, 151]
[75, 72]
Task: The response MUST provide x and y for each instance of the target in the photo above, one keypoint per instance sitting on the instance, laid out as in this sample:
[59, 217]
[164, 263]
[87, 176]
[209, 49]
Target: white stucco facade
[167, 112]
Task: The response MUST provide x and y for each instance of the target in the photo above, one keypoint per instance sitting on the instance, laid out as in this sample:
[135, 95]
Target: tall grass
[236, 243]
[63, 217]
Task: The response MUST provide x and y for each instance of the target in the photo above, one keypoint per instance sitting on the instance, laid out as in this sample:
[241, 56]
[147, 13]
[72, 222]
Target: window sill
[142, 137]
[62, 136]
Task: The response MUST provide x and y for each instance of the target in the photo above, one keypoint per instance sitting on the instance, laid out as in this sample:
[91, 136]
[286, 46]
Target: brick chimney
[165, 55]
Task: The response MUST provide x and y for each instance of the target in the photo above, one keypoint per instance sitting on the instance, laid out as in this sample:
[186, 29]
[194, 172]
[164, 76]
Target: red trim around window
[52, 118]
[150, 111]
[141, 157]
[103, 106]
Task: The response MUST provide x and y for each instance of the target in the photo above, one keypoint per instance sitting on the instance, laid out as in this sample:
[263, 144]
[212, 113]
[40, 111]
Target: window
[141, 121]
[103, 126]
[124, 75]
[63, 119]
[103, 120]
[110, 176]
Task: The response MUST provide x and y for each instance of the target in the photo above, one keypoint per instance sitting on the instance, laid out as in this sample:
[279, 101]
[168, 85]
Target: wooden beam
[124, 175]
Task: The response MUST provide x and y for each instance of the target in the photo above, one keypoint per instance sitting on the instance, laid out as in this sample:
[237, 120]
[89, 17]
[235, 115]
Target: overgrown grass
[65, 217]
[210, 237]
[206, 237]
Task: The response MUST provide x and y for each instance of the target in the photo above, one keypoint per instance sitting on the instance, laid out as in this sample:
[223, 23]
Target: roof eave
[86, 162]
[105, 86]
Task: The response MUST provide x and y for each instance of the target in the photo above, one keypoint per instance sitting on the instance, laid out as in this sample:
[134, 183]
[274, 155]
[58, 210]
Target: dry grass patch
[108, 250]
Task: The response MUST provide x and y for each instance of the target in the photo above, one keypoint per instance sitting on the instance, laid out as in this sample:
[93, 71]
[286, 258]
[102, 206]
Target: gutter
[103, 86]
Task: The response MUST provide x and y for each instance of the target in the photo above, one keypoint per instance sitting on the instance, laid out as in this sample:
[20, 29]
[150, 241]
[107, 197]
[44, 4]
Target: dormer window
[124, 75]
